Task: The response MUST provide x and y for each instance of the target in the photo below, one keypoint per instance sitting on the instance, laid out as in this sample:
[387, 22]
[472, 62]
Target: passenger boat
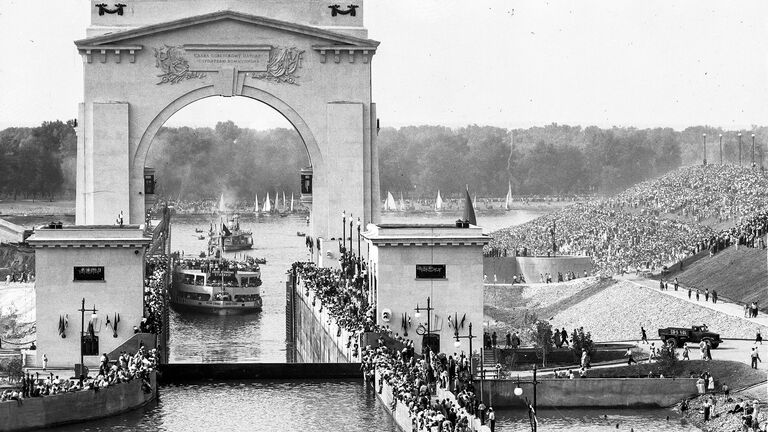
[216, 285]
[233, 239]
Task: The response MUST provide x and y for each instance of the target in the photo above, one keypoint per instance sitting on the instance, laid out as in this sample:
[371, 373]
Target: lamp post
[351, 222]
[518, 391]
[721, 149]
[705, 147]
[428, 310]
[82, 330]
[358, 237]
[753, 150]
[739, 148]
[343, 229]
[457, 344]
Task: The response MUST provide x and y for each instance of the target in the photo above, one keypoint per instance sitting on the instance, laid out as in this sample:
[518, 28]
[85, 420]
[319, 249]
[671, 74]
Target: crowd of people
[414, 380]
[154, 293]
[126, 368]
[344, 292]
[652, 225]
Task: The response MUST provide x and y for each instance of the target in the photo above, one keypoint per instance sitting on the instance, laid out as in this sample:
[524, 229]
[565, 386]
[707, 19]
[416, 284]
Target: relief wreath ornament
[170, 60]
[282, 66]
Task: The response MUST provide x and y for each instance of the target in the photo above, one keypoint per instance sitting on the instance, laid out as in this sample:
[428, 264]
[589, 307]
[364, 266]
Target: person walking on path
[45, 361]
[698, 293]
[644, 335]
[758, 337]
[689, 293]
[492, 419]
[564, 337]
[686, 355]
[676, 284]
[493, 340]
[509, 339]
[558, 339]
[706, 295]
[746, 310]
[661, 284]
[755, 355]
[631, 358]
[714, 296]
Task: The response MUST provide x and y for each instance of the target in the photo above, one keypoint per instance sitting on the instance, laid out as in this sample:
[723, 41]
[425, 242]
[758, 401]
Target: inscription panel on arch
[210, 58]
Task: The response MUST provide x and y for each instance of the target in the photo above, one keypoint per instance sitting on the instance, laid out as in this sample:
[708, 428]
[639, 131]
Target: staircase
[489, 364]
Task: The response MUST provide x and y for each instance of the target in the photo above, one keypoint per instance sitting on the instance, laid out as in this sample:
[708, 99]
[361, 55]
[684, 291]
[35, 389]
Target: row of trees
[195, 163]
[38, 162]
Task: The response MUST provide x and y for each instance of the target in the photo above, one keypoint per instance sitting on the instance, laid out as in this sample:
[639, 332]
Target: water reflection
[588, 420]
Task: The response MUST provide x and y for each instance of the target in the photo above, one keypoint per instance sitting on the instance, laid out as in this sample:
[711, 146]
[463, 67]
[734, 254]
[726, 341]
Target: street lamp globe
[518, 391]
[418, 314]
[704, 135]
[457, 344]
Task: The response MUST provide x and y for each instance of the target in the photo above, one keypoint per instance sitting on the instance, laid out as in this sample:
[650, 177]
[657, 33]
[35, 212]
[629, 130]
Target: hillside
[611, 310]
[739, 276]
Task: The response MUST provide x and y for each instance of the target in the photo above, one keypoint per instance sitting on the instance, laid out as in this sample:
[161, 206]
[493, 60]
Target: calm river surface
[306, 406]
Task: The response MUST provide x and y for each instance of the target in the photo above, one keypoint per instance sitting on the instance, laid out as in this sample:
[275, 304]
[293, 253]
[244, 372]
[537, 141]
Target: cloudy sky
[496, 62]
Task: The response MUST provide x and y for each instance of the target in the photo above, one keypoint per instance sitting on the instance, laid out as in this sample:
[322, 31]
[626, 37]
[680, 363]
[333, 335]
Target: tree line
[201, 163]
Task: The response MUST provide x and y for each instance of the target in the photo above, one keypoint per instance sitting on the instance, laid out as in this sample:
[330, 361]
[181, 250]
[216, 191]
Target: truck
[680, 335]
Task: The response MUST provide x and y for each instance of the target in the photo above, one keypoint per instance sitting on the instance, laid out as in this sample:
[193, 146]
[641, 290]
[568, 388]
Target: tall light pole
[428, 310]
[358, 237]
[753, 150]
[705, 148]
[739, 148]
[457, 344]
[343, 230]
[351, 222]
[721, 149]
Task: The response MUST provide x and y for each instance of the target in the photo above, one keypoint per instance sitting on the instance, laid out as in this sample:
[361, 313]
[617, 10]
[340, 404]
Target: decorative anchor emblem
[117, 10]
[351, 10]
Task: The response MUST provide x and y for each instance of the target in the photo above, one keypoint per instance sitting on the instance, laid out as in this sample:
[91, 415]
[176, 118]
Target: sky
[504, 63]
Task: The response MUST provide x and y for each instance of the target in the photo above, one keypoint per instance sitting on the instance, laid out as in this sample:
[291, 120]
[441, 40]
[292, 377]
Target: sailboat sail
[222, 209]
[438, 202]
[508, 201]
[390, 204]
[401, 205]
[267, 206]
[291, 202]
[285, 206]
[256, 202]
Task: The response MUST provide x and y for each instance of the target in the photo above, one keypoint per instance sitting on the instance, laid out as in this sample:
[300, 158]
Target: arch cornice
[310, 143]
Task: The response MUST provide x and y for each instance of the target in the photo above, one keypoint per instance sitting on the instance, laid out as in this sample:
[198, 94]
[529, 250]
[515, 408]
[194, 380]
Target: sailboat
[390, 204]
[267, 206]
[256, 203]
[438, 202]
[285, 206]
[508, 200]
[401, 204]
[222, 209]
[291, 202]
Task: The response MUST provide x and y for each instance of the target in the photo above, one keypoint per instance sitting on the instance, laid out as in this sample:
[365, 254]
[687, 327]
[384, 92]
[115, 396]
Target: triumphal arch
[146, 59]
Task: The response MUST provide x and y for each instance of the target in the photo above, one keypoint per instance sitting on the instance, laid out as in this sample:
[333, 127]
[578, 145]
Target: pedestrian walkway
[724, 307]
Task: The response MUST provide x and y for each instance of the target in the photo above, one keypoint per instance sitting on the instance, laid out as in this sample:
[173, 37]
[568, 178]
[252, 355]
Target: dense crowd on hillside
[414, 381]
[655, 223]
[125, 369]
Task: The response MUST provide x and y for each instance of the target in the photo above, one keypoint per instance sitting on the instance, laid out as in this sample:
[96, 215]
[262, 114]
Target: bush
[667, 363]
[581, 341]
[543, 340]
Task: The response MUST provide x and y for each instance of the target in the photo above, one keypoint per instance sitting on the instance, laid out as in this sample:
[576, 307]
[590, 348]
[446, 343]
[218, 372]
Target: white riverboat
[216, 285]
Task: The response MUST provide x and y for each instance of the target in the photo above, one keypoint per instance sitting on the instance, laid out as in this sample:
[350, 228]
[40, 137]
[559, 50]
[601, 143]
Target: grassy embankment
[739, 276]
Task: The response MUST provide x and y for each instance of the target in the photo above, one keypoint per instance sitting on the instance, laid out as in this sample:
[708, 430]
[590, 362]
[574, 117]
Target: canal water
[308, 406]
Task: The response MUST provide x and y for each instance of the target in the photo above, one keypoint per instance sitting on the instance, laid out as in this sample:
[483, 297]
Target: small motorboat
[198, 230]
[201, 237]
[300, 234]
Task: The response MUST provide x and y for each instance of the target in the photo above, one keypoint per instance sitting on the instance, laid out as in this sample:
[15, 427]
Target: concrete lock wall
[533, 267]
[502, 269]
[318, 338]
[593, 392]
[40, 412]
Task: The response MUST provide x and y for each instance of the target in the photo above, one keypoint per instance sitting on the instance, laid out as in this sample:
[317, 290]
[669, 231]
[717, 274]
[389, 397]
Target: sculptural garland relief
[280, 66]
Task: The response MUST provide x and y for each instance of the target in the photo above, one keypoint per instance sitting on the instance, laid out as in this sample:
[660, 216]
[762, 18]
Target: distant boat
[438, 202]
[256, 203]
[401, 204]
[508, 200]
[285, 206]
[222, 209]
[390, 204]
[291, 202]
[267, 206]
